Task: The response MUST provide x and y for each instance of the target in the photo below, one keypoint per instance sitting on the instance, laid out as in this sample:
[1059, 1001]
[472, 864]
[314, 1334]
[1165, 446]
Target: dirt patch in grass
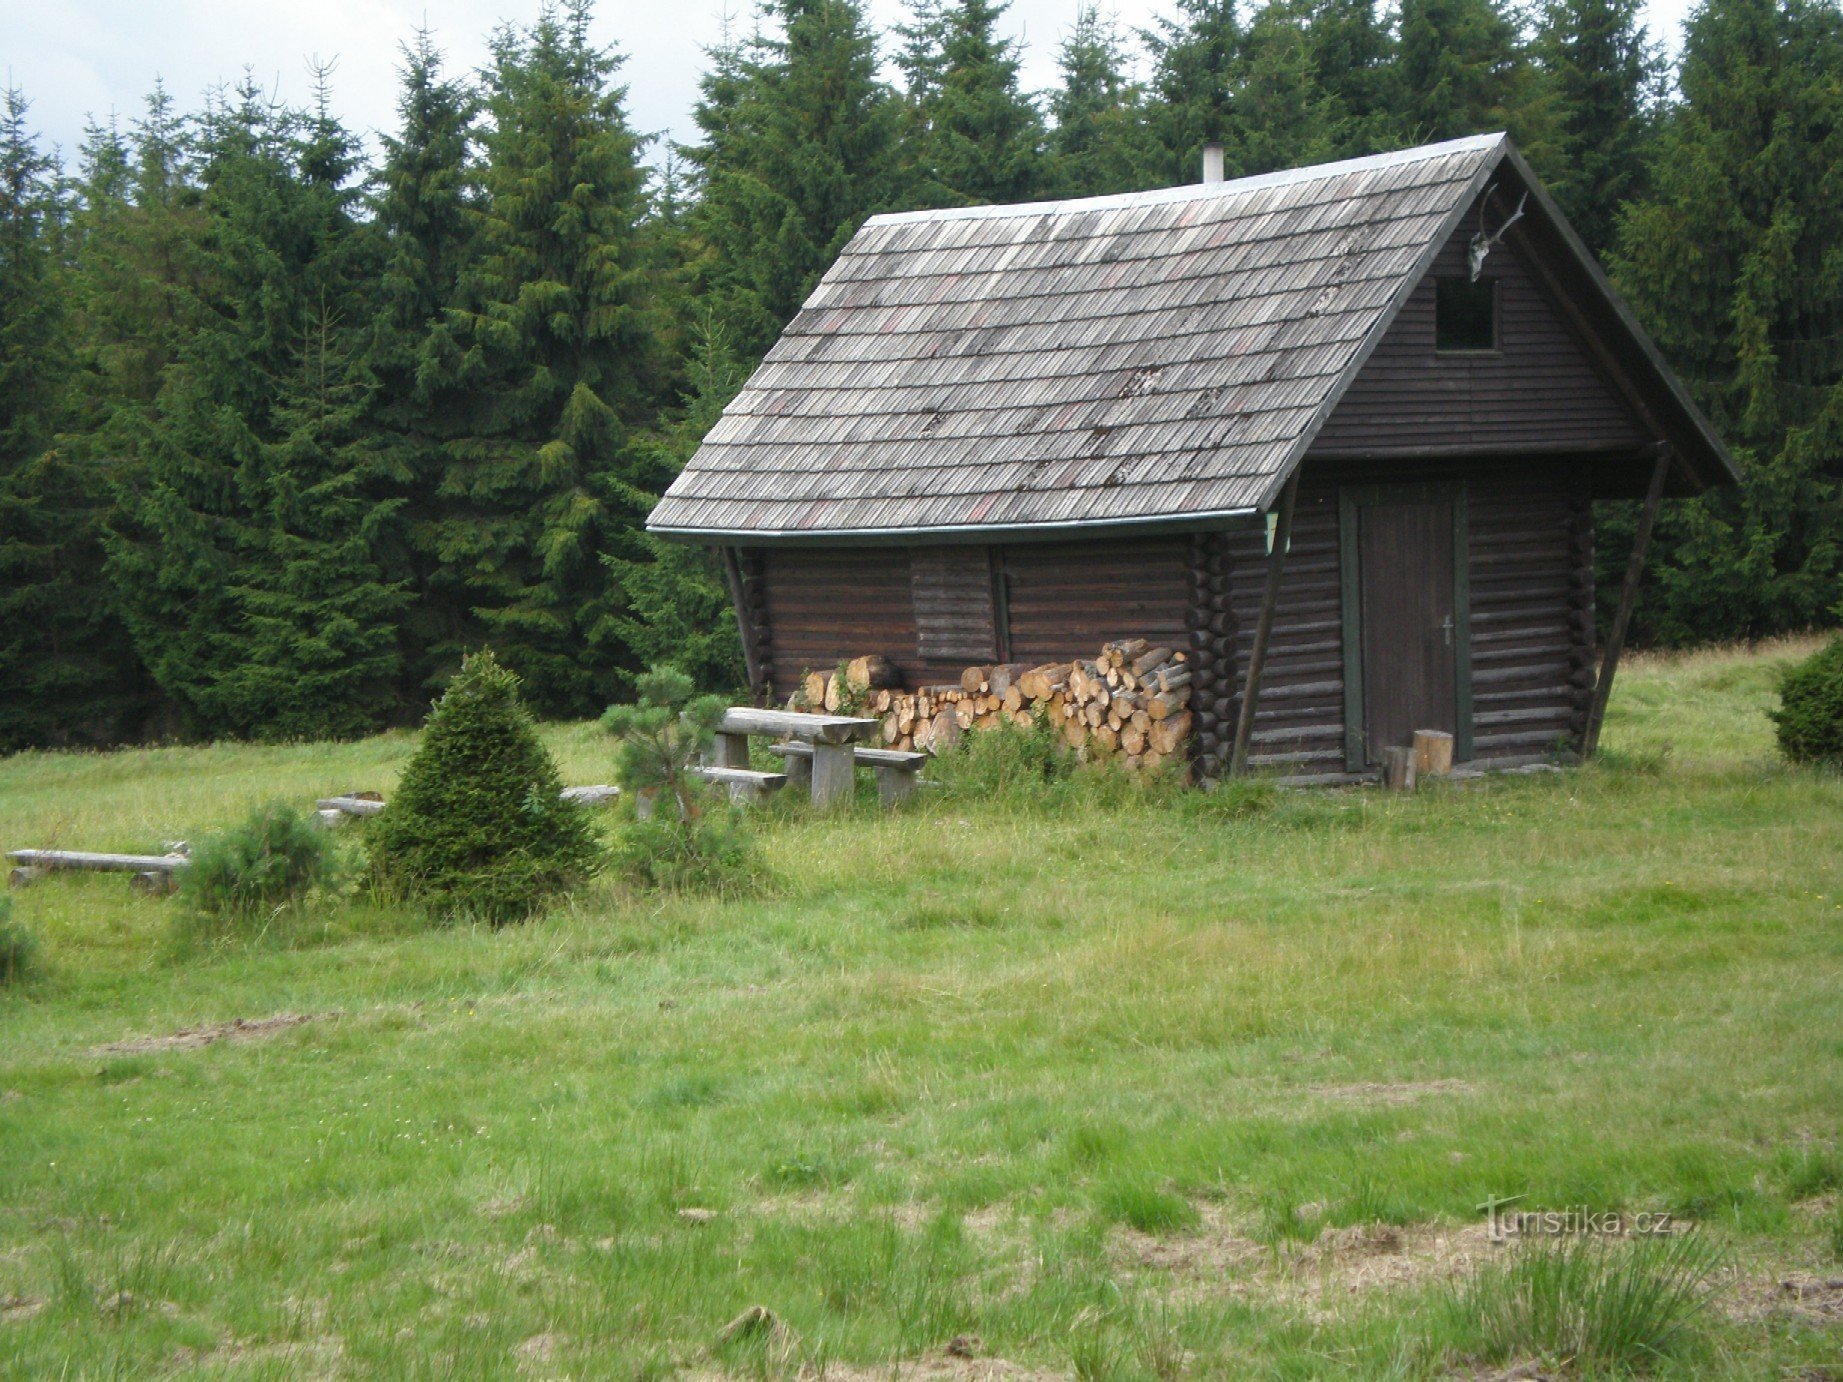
[16, 1308]
[937, 1365]
[1387, 1092]
[191, 1038]
[1220, 1258]
[537, 1351]
[1810, 1298]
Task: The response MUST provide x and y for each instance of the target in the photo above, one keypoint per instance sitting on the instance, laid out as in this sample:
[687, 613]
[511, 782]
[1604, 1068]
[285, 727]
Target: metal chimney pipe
[1212, 162]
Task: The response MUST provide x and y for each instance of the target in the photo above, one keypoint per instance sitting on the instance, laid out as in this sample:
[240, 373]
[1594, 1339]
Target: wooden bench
[897, 771]
[828, 740]
[745, 785]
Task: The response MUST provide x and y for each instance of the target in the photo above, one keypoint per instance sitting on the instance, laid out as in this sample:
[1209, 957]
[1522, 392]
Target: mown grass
[1122, 1083]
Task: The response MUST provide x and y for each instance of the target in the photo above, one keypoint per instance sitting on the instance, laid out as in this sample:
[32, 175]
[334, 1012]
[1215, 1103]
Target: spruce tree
[1354, 56]
[424, 202]
[551, 355]
[1463, 71]
[1099, 142]
[250, 499]
[53, 616]
[477, 828]
[679, 608]
[1733, 263]
[1603, 75]
[1284, 119]
[1195, 59]
[799, 138]
[976, 138]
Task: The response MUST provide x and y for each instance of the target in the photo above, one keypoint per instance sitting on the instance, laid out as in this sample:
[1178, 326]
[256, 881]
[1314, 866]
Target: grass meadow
[1012, 1083]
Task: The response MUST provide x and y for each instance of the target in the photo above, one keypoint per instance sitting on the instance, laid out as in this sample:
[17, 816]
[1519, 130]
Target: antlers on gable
[1481, 242]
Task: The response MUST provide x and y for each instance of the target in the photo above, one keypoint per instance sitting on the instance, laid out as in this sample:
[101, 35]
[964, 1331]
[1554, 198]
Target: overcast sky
[80, 58]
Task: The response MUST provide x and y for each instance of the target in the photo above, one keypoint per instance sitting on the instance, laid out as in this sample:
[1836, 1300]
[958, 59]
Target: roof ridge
[1197, 191]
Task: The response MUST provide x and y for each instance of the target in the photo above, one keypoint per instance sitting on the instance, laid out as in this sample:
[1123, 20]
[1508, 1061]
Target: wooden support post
[732, 575]
[1628, 595]
[730, 751]
[833, 766]
[1257, 658]
[895, 785]
[799, 774]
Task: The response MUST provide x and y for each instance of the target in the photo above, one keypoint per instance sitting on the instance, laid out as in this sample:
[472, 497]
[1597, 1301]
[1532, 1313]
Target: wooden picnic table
[831, 737]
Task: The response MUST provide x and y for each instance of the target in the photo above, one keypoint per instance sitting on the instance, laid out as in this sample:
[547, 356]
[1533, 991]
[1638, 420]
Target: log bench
[828, 740]
[152, 872]
[897, 770]
[745, 785]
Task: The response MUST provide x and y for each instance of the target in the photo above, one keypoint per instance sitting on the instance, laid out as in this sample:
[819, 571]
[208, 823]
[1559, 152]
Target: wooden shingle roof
[1161, 357]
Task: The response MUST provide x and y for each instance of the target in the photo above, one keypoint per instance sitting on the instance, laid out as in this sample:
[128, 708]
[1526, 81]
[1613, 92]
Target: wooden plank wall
[1530, 559]
[1531, 581]
[1531, 563]
[1541, 391]
[956, 617]
[1066, 600]
[1299, 724]
[826, 604]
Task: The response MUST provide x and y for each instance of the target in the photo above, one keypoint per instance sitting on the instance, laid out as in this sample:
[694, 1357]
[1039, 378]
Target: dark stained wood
[1542, 390]
[1263, 627]
[750, 623]
[828, 604]
[1299, 722]
[1530, 556]
[1408, 621]
[952, 592]
[1531, 568]
[1066, 599]
[1061, 601]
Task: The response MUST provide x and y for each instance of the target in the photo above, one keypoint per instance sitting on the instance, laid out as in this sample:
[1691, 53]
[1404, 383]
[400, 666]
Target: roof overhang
[1156, 525]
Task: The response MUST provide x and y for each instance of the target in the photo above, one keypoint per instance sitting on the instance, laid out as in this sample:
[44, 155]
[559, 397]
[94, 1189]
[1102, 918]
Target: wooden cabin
[1373, 401]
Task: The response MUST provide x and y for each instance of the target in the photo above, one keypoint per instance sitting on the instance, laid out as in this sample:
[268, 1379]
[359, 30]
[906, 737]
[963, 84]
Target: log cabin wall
[1539, 391]
[826, 604]
[1529, 559]
[1065, 600]
[1299, 723]
[1050, 602]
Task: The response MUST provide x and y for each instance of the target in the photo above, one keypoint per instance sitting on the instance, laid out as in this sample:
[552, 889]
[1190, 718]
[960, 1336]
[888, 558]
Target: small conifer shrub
[1810, 714]
[682, 834]
[477, 827]
[271, 859]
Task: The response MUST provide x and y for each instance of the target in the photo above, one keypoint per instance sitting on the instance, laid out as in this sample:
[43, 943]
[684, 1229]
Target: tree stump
[1398, 769]
[1433, 752]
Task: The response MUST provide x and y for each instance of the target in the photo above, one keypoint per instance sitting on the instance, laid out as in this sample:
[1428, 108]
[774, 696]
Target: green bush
[1810, 714]
[681, 834]
[18, 947]
[712, 852]
[273, 858]
[477, 827]
[1007, 761]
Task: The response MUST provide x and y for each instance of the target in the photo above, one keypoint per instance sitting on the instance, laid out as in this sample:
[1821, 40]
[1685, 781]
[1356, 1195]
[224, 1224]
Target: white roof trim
[1196, 191]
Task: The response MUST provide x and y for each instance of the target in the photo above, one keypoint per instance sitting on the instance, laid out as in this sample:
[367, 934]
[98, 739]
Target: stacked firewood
[1132, 702]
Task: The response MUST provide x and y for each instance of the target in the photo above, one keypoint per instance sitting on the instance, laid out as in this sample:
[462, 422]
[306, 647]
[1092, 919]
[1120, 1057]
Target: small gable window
[1464, 315]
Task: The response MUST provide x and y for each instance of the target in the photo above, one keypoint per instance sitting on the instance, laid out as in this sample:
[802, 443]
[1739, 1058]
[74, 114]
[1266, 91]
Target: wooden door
[1408, 621]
